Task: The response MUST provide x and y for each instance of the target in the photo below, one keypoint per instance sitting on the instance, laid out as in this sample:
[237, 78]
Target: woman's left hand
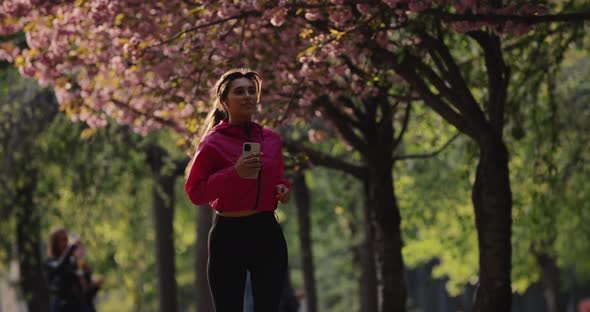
[283, 193]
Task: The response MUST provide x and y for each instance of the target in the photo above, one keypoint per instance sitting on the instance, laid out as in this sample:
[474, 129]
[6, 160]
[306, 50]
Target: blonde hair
[53, 249]
[219, 93]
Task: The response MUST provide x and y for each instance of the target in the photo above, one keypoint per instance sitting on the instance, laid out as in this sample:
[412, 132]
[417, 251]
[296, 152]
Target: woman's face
[62, 241]
[241, 100]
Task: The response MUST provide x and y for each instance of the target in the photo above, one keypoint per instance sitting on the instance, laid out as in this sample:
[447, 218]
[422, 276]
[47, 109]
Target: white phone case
[248, 148]
[254, 148]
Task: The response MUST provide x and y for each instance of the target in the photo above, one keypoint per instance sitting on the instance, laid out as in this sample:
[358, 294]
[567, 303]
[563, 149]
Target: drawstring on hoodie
[248, 131]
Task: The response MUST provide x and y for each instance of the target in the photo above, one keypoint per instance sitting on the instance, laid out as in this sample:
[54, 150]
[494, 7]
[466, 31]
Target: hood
[248, 130]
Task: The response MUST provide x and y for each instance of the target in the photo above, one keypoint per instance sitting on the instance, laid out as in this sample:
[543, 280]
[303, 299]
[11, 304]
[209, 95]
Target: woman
[245, 235]
[70, 283]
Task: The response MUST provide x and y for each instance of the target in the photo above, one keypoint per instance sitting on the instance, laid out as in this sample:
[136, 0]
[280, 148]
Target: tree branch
[212, 23]
[498, 77]
[438, 82]
[433, 100]
[428, 155]
[353, 68]
[342, 122]
[499, 18]
[291, 103]
[465, 100]
[405, 124]
[161, 120]
[324, 160]
[360, 115]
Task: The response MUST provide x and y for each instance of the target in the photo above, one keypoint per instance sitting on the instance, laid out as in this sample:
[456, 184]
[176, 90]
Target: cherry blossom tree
[150, 65]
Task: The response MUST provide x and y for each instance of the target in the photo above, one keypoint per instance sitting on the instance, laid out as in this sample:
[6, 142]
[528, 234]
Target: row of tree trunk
[383, 276]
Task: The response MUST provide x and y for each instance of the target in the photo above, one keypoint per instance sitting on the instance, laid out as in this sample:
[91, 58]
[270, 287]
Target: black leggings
[254, 243]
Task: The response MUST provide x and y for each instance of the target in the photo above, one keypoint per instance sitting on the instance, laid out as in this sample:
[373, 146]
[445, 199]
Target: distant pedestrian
[69, 277]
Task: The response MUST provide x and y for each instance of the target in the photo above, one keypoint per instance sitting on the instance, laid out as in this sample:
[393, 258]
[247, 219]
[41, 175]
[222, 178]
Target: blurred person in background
[68, 273]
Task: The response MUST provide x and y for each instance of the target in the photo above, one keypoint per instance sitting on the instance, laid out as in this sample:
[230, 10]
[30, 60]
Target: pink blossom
[517, 29]
[5, 56]
[163, 70]
[419, 6]
[186, 111]
[287, 89]
[463, 27]
[363, 8]
[8, 51]
[313, 15]
[340, 17]
[257, 5]
[96, 121]
[391, 3]
[15, 8]
[228, 10]
[120, 58]
[279, 17]
[27, 70]
[9, 29]
[463, 5]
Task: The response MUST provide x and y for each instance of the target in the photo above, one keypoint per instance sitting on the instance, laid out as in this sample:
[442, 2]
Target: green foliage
[550, 209]
[336, 225]
[96, 184]
[184, 242]
[551, 196]
[23, 114]
[434, 199]
[100, 189]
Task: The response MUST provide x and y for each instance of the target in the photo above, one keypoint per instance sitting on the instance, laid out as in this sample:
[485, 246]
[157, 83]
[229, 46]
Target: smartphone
[249, 148]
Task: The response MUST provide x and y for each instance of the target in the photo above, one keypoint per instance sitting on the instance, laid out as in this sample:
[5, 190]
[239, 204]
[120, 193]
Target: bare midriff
[237, 214]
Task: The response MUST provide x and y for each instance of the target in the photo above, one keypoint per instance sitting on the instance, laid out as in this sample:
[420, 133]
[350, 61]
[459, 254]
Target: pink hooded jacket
[214, 180]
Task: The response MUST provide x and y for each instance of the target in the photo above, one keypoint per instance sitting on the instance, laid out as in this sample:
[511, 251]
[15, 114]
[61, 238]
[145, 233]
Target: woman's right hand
[248, 165]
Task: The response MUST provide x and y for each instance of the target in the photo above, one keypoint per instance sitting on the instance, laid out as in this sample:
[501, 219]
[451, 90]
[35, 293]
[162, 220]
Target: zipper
[247, 131]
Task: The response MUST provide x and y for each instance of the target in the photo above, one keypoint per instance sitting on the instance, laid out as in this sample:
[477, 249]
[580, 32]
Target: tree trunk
[492, 201]
[385, 232]
[369, 293]
[551, 282]
[364, 257]
[32, 282]
[163, 206]
[163, 210]
[302, 200]
[204, 302]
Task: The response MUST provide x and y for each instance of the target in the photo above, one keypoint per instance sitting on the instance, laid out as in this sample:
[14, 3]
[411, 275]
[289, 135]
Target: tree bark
[385, 233]
[365, 256]
[368, 282]
[204, 302]
[491, 195]
[32, 282]
[163, 210]
[492, 200]
[302, 200]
